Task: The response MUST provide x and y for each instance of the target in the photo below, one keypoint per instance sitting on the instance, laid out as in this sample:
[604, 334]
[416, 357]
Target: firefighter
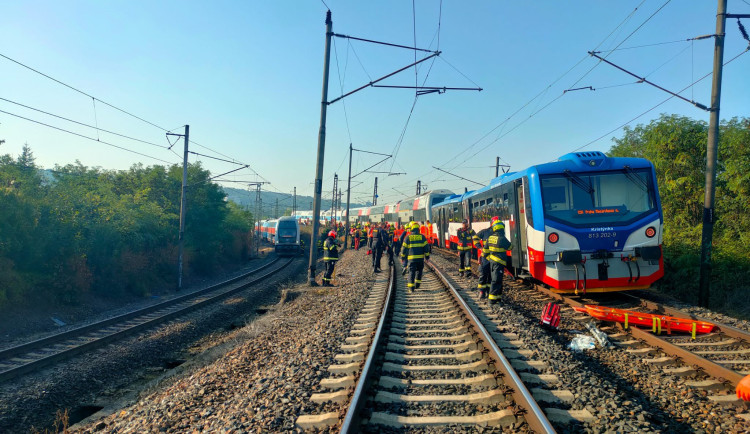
[497, 245]
[415, 251]
[389, 232]
[401, 239]
[378, 244]
[368, 229]
[480, 239]
[397, 239]
[330, 256]
[465, 242]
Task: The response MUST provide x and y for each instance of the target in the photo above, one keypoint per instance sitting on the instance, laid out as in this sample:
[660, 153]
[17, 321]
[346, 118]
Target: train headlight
[650, 231]
[553, 238]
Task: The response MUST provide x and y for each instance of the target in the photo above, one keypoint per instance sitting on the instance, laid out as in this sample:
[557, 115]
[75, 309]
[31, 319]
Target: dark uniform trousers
[497, 245]
[464, 257]
[415, 274]
[328, 275]
[377, 248]
[484, 276]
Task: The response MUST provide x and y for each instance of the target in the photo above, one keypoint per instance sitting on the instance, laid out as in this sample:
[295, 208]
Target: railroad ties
[433, 368]
[713, 362]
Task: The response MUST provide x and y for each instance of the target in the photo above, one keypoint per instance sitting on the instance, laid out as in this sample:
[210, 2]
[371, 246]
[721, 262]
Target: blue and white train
[586, 222]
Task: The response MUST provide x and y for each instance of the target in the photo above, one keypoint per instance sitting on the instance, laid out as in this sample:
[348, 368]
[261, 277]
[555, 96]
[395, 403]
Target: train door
[442, 226]
[510, 197]
[468, 208]
[520, 227]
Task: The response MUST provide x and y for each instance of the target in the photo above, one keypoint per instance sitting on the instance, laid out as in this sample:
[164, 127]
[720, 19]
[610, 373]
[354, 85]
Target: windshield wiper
[637, 180]
[580, 183]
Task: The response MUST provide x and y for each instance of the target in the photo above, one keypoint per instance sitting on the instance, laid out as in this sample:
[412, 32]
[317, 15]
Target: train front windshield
[607, 198]
[288, 230]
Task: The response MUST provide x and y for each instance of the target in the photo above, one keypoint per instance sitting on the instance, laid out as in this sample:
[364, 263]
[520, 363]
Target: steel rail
[98, 342]
[27, 347]
[538, 420]
[351, 422]
[711, 368]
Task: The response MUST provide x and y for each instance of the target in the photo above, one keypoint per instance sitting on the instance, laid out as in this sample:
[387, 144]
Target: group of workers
[414, 246]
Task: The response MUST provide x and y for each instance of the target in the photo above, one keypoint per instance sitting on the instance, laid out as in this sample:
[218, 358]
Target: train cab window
[614, 197]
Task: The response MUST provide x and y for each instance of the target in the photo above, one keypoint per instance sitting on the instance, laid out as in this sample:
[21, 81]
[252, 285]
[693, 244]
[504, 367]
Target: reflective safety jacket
[330, 250]
[496, 247]
[415, 248]
[480, 241]
[465, 238]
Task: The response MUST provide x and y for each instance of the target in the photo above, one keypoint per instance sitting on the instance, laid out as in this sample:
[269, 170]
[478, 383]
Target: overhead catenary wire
[576, 82]
[82, 92]
[657, 105]
[81, 123]
[87, 137]
[543, 91]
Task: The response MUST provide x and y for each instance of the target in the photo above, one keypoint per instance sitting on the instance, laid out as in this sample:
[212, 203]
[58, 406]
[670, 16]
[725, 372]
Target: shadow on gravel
[653, 413]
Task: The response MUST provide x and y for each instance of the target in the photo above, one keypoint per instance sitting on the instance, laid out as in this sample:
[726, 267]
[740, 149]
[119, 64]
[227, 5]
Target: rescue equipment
[551, 315]
[656, 321]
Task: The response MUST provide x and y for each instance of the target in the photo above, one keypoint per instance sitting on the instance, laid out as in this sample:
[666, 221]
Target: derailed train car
[584, 223]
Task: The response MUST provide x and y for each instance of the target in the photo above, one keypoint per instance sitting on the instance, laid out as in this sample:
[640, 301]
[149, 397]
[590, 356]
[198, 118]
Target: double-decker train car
[586, 222]
[415, 208]
[286, 240]
[267, 230]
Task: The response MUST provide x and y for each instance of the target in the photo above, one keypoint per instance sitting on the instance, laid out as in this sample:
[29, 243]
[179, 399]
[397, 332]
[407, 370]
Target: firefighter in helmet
[330, 256]
[465, 243]
[497, 246]
[415, 251]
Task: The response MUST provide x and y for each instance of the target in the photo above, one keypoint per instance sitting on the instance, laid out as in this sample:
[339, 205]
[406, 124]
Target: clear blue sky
[246, 76]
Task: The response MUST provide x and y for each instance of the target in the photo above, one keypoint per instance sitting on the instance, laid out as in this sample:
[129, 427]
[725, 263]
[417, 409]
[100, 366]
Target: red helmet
[494, 219]
[332, 234]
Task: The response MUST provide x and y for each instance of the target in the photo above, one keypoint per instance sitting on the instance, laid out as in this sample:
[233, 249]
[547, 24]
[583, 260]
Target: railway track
[32, 356]
[433, 358]
[715, 362]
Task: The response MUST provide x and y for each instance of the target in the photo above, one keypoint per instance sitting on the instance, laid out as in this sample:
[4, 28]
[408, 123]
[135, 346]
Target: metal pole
[711, 157]
[375, 193]
[294, 203]
[497, 167]
[321, 154]
[348, 197]
[181, 239]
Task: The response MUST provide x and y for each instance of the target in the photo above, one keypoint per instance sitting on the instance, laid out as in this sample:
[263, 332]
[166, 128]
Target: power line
[81, 92]
[81, 123]
[87, 137]
[542, 92]
[659, 104]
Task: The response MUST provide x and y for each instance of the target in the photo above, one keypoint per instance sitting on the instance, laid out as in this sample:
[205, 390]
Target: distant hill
[246, 199]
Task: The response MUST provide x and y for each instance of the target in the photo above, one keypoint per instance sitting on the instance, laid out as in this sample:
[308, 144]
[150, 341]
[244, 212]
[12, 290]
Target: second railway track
[25, 358]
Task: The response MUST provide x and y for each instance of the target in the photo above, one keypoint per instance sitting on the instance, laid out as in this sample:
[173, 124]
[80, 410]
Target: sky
[247, 77]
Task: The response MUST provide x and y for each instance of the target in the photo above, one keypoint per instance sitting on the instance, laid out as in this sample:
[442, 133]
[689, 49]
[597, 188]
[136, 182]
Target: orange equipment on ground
[743, 389]
[656, 321]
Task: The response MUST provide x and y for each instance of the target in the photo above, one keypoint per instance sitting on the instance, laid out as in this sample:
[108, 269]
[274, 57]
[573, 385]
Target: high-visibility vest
[497, 245]
[415, 248]
[465, 238]
[330, 250]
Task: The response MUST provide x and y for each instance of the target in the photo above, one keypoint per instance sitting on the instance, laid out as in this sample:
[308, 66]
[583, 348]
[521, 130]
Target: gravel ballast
[265, 381]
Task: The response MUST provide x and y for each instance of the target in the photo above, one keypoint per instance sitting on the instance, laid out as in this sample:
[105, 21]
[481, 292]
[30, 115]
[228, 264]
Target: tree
[677, 147]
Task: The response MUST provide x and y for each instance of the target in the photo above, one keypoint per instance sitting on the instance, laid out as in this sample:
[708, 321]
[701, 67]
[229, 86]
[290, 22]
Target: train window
[598, 198]
[527, 201]
[489, 201]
